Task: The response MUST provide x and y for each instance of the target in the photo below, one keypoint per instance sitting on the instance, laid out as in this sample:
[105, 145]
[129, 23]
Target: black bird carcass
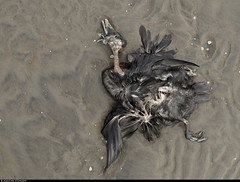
[151, 89]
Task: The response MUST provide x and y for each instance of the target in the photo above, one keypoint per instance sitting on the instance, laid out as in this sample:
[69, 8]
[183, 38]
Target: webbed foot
[111, 37]
[108, 31]
[195, 137]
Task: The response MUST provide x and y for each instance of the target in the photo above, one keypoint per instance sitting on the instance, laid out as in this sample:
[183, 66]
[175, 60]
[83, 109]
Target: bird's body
[151, 89]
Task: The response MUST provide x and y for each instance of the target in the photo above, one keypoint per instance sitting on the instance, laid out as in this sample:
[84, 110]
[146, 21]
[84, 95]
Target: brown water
[53, 103]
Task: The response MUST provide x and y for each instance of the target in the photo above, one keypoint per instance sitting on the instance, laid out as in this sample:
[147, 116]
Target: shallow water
[53, 103]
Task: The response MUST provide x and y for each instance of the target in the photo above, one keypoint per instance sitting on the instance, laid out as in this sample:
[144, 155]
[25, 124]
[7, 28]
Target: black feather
[170, 63]
[143, 35]
[167, 39]
[112, 133]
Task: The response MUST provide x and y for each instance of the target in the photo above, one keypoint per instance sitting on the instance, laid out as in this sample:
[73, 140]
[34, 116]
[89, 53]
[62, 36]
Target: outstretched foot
[195, 137]
[111, 37]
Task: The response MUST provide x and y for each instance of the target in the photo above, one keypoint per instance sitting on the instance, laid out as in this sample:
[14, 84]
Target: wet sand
[53, 103]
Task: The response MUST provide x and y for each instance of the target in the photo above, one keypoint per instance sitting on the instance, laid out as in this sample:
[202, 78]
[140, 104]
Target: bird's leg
[117, 68]
[196, 137]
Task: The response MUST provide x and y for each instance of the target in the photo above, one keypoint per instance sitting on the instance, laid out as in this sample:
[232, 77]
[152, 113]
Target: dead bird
[152, 89]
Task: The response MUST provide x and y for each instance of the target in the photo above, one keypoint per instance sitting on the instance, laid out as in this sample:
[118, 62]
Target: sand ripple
[52, 101]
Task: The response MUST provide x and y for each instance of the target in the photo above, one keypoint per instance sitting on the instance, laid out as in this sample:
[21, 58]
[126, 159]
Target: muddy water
[52, 101]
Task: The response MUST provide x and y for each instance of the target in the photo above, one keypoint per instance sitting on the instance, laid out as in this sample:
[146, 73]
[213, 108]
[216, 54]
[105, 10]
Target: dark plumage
[151, 89]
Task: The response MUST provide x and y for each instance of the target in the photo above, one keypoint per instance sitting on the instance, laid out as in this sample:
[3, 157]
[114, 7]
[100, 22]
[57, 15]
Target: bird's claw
[111, 37]
[108, 31]
[107, 26]
[196, 137]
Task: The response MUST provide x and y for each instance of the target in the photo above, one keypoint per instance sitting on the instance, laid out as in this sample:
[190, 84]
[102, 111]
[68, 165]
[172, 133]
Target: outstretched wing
[119, 123]
[111, 132]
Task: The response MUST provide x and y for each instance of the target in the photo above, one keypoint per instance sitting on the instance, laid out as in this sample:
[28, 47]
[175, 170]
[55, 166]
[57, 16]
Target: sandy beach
[53, 102]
